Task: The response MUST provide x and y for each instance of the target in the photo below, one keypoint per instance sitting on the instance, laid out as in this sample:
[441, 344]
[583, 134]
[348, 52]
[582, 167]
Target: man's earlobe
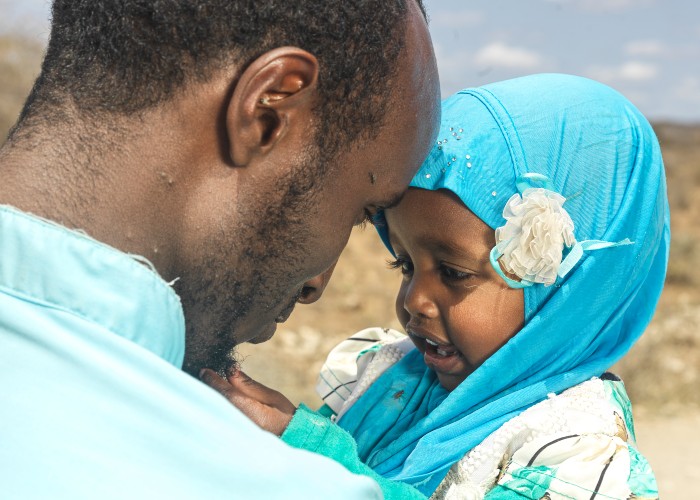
[276, 91]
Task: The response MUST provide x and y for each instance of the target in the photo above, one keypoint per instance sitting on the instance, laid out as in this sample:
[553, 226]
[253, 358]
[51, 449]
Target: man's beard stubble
[266, 253]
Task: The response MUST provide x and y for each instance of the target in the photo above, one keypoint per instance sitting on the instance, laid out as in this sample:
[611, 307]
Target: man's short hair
[125, 56]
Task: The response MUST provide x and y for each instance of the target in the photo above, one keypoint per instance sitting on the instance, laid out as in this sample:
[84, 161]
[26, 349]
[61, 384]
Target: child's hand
[266, 407]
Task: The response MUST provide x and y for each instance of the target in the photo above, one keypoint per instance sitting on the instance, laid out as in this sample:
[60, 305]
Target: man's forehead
[422, 10]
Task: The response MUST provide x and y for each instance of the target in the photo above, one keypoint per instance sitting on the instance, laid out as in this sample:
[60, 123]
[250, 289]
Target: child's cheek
[401, 313]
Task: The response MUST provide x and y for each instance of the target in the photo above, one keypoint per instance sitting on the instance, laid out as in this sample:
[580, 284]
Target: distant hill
[20, 60]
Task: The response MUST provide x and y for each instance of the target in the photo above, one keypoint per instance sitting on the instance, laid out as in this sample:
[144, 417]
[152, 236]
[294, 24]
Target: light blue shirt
[93, 403]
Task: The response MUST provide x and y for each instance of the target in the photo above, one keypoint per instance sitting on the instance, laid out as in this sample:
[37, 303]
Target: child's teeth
[438, 349]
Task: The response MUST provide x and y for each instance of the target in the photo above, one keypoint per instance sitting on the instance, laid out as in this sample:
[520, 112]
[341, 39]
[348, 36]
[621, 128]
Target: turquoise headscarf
[601, 154]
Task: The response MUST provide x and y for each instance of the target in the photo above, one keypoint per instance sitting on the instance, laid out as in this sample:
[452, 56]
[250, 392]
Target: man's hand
[266, 407]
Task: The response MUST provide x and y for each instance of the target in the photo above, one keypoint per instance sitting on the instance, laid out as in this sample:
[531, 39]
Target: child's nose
[418, 300]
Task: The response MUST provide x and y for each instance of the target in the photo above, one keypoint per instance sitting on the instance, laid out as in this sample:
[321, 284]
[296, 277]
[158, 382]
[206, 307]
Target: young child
[533, 245]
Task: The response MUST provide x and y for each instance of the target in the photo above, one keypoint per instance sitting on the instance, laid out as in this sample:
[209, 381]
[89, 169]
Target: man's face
[250, 269]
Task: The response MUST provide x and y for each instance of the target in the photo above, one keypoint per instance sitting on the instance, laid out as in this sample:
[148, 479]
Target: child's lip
[427, 336]
[440, 349]
[440, 356]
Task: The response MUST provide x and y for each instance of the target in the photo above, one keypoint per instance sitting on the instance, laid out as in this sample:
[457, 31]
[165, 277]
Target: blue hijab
[599, 152]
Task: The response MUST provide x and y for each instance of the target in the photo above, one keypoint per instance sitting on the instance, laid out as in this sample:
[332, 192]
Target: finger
[255, 390]
[237, 373]
[239, 377]
[247, 404]
[250, 387]
[271, 417]
[214, 380]
[235, 393]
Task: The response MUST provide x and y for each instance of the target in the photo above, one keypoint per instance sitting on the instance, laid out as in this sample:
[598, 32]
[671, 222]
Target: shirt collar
[52, 266]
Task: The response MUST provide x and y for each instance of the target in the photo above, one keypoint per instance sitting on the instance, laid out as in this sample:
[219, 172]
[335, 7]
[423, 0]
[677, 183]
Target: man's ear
[271, 93]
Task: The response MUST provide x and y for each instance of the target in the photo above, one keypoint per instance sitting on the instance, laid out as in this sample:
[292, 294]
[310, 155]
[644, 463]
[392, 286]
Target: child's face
[452, 304]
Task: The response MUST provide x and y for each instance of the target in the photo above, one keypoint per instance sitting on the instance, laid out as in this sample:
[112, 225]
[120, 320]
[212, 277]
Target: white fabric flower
[533, 238]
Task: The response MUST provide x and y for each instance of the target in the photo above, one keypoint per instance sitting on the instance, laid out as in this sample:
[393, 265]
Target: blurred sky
[647, 49]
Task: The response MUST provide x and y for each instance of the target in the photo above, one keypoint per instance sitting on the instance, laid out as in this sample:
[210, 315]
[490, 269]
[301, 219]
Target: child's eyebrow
[449, 248]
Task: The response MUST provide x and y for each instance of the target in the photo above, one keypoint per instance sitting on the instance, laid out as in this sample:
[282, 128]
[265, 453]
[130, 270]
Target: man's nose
[313, 289]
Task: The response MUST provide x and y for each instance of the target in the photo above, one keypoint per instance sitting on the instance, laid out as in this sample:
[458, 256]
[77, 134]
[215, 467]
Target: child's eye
[453, 274]
[405, 265]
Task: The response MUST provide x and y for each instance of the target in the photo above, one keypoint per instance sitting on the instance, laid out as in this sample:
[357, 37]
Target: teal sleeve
[312, 431]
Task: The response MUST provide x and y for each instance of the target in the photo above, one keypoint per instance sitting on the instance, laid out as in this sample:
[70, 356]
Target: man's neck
[115, 185]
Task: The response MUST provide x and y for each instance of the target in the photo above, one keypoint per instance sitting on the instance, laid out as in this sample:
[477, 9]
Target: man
[218, 149]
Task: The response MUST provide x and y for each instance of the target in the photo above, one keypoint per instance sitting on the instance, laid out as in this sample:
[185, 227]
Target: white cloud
[637, 71]
[632, 71]
[499, 54]
[644, 48]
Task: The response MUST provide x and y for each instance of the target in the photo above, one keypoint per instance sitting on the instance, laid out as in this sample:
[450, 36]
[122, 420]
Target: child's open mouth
[436, 354]
[439, 349]
[445, 359]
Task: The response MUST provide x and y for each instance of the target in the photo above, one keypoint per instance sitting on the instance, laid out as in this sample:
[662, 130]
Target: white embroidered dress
[577, 444]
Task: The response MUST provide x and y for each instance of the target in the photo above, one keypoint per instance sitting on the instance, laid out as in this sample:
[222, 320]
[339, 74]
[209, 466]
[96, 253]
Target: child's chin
[451, 370]
[450, 382]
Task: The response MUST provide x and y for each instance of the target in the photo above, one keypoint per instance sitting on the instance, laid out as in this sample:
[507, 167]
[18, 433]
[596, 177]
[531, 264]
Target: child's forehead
[439, 221]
